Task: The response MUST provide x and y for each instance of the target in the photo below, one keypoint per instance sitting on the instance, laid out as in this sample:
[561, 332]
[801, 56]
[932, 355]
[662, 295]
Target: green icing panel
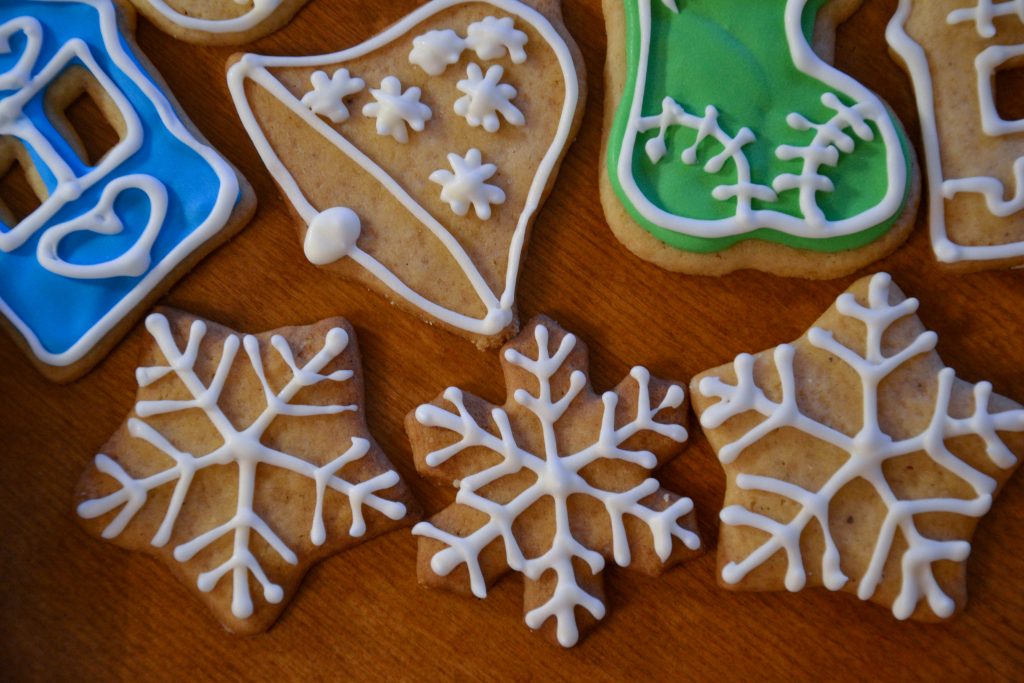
[734, 55]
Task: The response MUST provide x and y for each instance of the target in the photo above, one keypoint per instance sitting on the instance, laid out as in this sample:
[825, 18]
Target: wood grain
[75, 608]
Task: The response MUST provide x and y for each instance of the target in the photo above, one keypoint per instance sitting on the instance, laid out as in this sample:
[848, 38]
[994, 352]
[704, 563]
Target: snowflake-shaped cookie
[491, 38]
[395, 109]
[466, 186]
[855, 459]
[327, 98]
[554, 482]
[205, 476]
[486, 97]
[436, 50]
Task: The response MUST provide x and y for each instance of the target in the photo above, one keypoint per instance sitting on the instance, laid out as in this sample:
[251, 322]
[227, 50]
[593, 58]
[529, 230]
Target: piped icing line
[242, 448]
[68, 187]
[498, 305]
[435, 51]
[939, 187]
[261, 10]
[813, 226]
[984, 14]
[869, 449]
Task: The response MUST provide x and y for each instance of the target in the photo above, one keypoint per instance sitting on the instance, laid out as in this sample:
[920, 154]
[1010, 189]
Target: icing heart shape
[440, 138]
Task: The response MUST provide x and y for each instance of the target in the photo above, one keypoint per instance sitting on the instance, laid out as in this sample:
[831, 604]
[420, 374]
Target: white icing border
[809, 63]
[261, 10]
[499, 307]
[229, 193]
[916, 60]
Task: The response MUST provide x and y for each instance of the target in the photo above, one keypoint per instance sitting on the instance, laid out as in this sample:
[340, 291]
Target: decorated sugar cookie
[731, 144]
[219, 22]
[954, 51]
[418, 160]
[554, 483]
[855, 459]
[109, 234]
[245, 460]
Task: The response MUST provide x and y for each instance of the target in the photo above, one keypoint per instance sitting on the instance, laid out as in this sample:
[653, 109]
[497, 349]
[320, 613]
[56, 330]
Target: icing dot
[332, 235]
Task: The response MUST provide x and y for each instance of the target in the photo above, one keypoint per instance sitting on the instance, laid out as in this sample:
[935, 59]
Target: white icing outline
[436, 50]
[498, 306]
[946, 250]
[130, 143]
[811, 226]
[242, 448]
[557, 477]
[261, 10]
[987, 63]
[869, 449]
[984, 14]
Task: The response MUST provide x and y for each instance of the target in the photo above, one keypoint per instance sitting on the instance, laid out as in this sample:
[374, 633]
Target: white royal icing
[557, 478]
[332, 235]
[831, 137]
[327, 98]
[941, 188]
[260, 10]
[869, 449]
[492, 38]
[498, 305]
[70, 186]
[466, 187]
[242, 448]
[397, 111]
[435, 51]
[486, 97]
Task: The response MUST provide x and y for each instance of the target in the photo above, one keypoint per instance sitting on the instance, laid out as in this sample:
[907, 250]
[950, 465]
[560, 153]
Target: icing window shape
[465, 186]
[968, 159]
[107, 233]
[397, 111]
[792, 152]
[486, 97]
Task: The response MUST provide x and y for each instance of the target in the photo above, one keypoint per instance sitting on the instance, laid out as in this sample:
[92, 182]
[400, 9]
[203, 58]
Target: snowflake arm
[242, 448]
[550, 403]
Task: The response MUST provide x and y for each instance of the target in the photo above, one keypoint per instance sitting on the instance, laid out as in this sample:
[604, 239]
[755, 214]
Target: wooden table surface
[74, 608]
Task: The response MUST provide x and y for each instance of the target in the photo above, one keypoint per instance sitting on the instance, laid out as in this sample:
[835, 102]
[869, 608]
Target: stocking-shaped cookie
[219, 22]
[954, 51]
[731, 144]
[418, 160]
[113, 225]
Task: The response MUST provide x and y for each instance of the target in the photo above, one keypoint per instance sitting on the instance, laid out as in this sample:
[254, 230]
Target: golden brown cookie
[219, 22]
[855, 459]
[246, 460]
[732, 143]
[955, 51]
[105, 224]
[553, 483]
[417, 161]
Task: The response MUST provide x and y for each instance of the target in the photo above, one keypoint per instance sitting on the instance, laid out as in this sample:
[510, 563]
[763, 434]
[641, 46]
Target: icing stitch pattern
[394, 109]
[242, 448]
[869, 450]
[125, 222]
[466, 185]
[558, 476]
[327, 98]
[486, 97]
[498, 305]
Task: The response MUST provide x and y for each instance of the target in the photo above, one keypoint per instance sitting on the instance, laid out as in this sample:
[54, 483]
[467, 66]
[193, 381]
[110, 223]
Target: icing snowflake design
[435, 51]
[395, 109]
[868, 450]
[486, 97]
[242, 448]
[491, 38]
[556, 475]
[831, 139]
[466, 187]
[327, 98]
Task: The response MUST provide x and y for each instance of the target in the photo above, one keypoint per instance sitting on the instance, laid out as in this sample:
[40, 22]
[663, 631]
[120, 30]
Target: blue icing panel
[62, 309]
